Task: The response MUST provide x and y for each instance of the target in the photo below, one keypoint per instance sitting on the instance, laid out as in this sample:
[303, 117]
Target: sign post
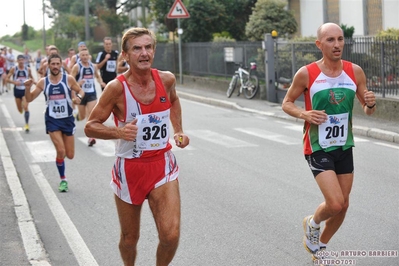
[179, 11]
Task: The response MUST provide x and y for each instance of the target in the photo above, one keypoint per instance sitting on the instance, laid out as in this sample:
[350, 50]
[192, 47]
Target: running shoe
[63, 186]
[311, 238]
[322, 258]
[76, 115]
[26, 128]
[91, 142]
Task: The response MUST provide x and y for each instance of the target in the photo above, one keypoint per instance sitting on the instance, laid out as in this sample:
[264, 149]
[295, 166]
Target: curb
[358, 130]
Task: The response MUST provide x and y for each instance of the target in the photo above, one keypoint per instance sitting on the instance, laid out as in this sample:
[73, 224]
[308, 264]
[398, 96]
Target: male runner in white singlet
[143, 102]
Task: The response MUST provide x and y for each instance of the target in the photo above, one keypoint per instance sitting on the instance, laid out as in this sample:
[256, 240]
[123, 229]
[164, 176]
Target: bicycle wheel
[232, 86]
[251, 87]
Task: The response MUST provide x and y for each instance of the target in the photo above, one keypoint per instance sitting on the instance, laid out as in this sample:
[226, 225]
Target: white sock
[314, 224]
[321, 244]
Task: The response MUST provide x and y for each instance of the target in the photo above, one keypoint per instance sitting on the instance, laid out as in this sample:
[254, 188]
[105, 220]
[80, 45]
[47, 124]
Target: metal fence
[379, 58]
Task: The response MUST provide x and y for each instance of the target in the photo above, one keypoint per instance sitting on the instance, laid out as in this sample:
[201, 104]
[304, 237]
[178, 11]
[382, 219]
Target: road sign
[178, 10]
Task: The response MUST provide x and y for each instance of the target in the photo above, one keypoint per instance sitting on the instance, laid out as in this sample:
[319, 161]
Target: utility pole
[87, 29]
[44, 26]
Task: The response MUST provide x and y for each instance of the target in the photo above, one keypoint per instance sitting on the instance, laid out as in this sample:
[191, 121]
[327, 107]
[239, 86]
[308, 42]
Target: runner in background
[84, 72]
[3, 70]
[60, 123]
[75, 59]
[107, 62]
[17, 76]
[71, 53]
[27, 57]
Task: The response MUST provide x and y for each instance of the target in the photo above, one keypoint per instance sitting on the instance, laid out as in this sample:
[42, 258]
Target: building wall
[312, 16]
[390, 9]
[351, 14]
[368, 17]
[332, 11]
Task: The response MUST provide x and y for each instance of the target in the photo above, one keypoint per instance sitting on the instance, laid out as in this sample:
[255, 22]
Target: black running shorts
[339, 161]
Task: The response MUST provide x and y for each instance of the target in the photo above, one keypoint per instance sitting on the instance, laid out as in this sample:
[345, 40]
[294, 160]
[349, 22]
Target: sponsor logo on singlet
[335, 97]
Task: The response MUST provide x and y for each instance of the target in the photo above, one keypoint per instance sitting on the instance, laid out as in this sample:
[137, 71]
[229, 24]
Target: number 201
[153, 132]
[335, 131]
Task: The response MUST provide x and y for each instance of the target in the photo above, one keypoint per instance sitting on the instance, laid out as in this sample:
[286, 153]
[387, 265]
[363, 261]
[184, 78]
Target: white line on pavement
[74, 239]
[31, 240]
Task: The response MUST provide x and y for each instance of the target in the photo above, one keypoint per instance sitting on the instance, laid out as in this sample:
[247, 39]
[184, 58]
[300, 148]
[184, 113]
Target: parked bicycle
[249, 83]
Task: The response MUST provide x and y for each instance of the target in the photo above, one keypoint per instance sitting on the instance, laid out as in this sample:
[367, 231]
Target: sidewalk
[362, 125]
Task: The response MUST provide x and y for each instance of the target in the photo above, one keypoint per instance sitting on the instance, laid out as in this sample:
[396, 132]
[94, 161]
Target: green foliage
[223, 36]
[269, 15]
[238, 16]
[390, 33]
[348, 31]
[213, 15]
[210, 16]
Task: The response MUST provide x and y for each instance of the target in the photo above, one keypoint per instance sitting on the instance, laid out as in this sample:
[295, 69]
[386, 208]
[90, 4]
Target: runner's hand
[181, 140]
[129, 131]
[315, 117]
[28, 83]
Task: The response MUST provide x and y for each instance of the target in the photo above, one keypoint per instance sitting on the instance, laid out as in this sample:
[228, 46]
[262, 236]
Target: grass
[32, 45]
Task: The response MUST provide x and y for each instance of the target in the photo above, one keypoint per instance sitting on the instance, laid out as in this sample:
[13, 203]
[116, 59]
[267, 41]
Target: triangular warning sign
[178, 10]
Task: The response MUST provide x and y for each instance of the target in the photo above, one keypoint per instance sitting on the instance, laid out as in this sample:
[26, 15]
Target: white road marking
[357, 139]
[30, 237]
[74, 239]
[42, 151]
[219, 138]
[102, 147]
[387, 145]
[270, 136]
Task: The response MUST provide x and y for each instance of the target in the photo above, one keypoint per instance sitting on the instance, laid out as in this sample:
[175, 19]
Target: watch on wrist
[370, 107]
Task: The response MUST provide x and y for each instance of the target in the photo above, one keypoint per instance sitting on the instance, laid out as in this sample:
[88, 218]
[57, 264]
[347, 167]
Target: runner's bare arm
[31, 95]
[76, 89]
[298, 86]
[366, 98]
[169, 81]
[98, 77]
[72, 62]
[111, 100]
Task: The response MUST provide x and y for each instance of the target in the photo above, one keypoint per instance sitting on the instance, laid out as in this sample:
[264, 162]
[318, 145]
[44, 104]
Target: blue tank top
[58, 98]
[86, 73]
[21, 76]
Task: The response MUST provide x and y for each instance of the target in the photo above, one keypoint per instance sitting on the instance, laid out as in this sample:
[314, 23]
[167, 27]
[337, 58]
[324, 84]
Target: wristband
[78, 95]
[370, 107]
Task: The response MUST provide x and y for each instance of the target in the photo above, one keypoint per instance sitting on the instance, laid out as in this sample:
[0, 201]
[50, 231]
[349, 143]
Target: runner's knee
[170, 237]
[129, 241]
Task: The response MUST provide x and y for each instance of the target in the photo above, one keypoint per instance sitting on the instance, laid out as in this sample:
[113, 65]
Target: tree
[238, 16]
[207, 17]
[270, 15]
[348, 31]
[235, 14]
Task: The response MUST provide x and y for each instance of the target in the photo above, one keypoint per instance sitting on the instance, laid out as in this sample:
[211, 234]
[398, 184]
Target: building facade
[368, 17]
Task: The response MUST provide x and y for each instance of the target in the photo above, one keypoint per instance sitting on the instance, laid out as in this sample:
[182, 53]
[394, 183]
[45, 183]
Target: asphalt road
[245, 189]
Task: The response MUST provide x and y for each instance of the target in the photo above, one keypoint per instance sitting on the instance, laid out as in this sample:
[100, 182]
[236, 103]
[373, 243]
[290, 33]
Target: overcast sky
[12, 16]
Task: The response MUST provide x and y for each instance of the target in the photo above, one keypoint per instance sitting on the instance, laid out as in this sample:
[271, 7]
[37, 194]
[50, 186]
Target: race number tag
[153, 131]
[334, 131]
[111, 66]
[58, 108]
[88, 85]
